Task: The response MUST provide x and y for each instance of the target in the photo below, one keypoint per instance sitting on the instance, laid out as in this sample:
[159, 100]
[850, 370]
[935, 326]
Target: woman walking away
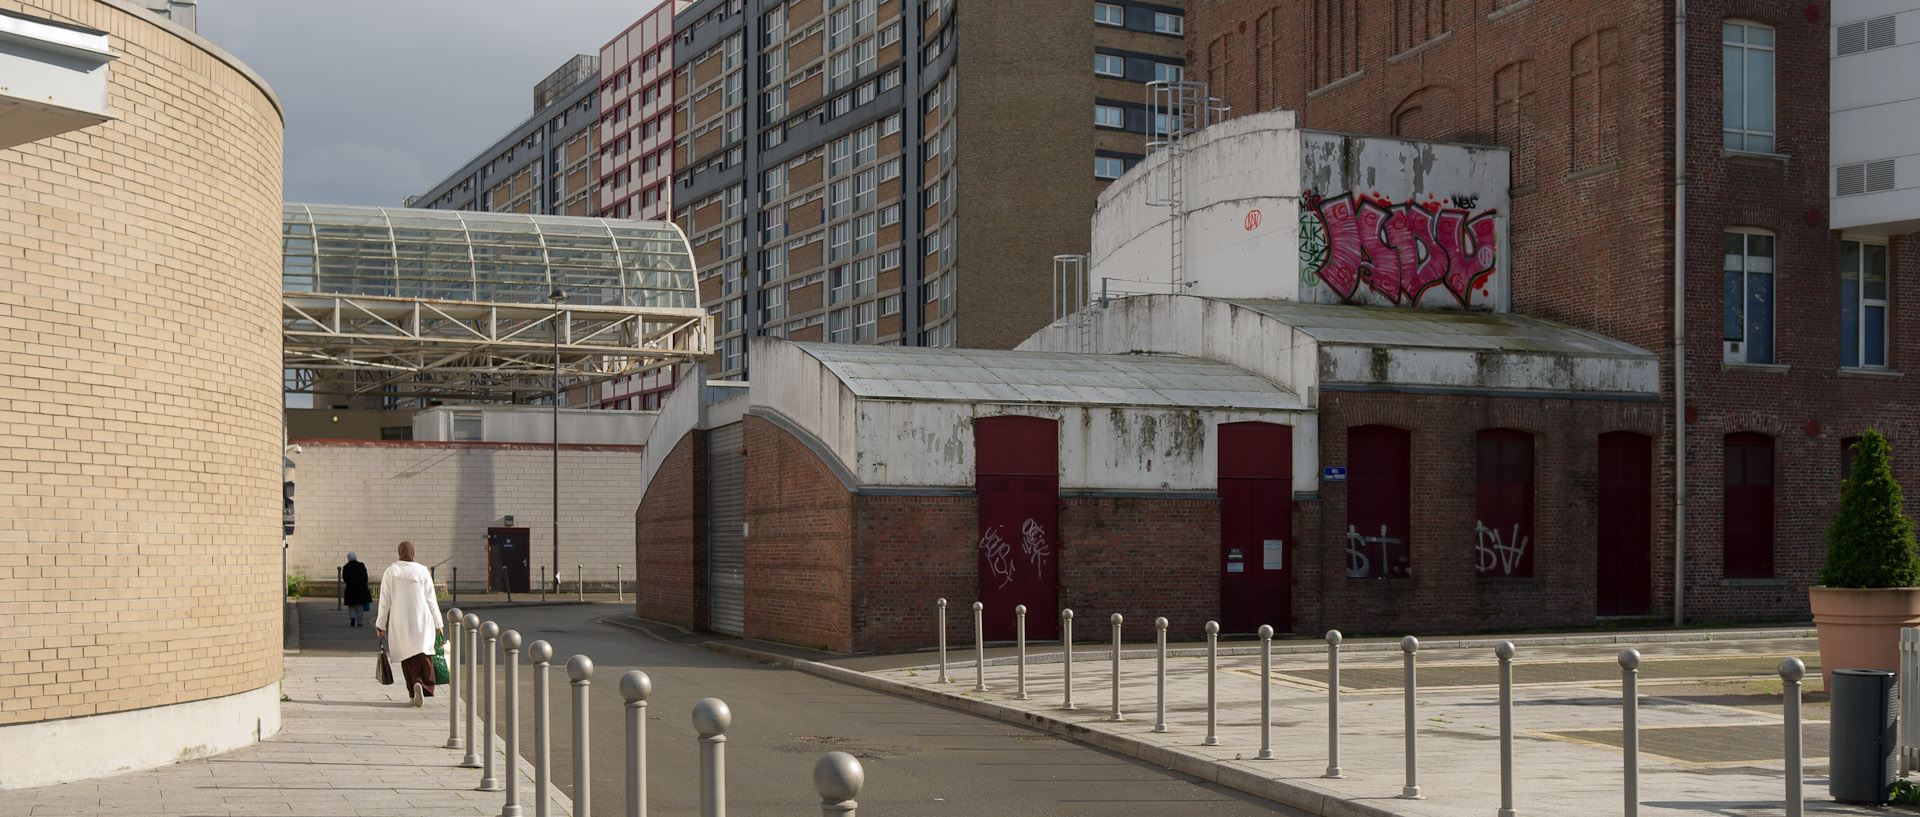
[409, 618]
[353, 577]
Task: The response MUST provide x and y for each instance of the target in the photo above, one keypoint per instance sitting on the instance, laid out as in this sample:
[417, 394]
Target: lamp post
[557, 296]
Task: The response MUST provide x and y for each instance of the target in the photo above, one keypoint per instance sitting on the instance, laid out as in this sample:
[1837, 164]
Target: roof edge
[195, 39]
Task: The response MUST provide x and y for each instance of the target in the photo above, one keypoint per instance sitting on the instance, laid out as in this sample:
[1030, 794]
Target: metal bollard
[580, 581]
[539, 653]
[453, 588]
[1630, 727]
[838, 778]
[942, 604]
[619, 583]
[635, 686]
[470, 659]
[1020, 638]
[543, 583]
[339, 587]
[1504, 651]
[1115, 618]
[1791, 671]
[979, 649]
[1160, 677]
[1066, 663]
[711, 718]
[1333, 706]
[490, 634]
[580, 669]
[1411, 791]
[1213, 661]
[510, 641]
[1266, 693]
[506, 583]
[454, 675]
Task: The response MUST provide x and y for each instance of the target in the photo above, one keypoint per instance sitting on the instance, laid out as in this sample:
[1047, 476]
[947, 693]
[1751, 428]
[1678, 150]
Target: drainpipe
[1679, 313]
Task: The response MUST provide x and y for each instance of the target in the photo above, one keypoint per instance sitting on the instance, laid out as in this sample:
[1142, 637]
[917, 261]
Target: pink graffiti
[1402, 250]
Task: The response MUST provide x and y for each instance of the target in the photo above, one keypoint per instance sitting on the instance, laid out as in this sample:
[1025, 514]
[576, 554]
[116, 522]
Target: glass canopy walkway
[438, 304]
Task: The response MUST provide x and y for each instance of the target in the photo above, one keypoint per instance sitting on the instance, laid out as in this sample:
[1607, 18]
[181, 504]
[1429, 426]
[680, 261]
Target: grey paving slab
[346, 746]
[1711, 726]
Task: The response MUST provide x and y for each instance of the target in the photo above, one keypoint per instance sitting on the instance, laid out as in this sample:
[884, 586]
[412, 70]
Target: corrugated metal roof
[1441, 329]
[994, 376]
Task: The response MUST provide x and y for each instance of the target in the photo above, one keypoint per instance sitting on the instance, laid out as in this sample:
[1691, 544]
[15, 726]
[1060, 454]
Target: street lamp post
[557, 296]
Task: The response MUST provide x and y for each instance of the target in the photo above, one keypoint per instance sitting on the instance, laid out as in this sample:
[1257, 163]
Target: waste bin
[1861, 750]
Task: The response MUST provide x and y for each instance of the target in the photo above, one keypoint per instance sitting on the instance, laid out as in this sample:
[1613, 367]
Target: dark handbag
[384, 672]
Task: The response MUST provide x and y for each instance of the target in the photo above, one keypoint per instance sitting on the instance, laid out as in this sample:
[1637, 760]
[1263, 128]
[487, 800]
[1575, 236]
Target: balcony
[53, 78]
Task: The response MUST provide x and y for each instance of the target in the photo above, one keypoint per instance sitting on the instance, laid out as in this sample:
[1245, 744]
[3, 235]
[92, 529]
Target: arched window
[1379, 489]
[1746, 516]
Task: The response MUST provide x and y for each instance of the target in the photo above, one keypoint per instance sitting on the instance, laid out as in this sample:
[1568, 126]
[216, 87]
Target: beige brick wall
[367, 496]
[140, 387]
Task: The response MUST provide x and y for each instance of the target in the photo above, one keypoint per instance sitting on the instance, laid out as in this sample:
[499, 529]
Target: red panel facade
[1623, 575]
[1256, 526]
[1017, 477]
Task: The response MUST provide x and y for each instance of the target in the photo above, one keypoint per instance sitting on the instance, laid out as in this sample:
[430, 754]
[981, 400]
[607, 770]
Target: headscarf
[351, 557]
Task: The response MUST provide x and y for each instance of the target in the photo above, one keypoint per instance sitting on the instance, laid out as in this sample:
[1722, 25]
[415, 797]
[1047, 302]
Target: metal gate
[726, 518]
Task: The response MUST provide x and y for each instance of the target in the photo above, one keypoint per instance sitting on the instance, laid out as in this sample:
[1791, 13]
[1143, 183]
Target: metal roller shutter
[726, 515]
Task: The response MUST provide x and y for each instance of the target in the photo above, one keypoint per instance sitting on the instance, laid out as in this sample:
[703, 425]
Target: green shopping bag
[440, 673]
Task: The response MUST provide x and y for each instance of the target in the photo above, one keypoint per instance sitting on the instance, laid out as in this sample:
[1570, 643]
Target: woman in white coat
[409, 619]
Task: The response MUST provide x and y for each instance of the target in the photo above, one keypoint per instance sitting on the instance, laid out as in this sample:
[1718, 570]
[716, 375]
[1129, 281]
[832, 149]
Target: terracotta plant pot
[1860, 627]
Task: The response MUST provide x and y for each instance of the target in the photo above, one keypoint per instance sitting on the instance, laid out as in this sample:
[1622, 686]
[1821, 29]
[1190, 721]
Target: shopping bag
[440, 673]
[384, 672]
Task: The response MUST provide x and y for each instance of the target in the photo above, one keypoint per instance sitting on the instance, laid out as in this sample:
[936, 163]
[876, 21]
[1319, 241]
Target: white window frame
[1109, 116]
[1168, 72]
[1739, 131]
[1164, 23]
[1862, 302]
[1101, 165]
[1108, 60]
[1740, 349]
[1108, 14]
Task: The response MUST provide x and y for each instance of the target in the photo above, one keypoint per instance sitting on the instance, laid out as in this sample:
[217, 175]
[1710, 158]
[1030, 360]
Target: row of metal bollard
[837, 776]
[1792, 670]
[579, 583]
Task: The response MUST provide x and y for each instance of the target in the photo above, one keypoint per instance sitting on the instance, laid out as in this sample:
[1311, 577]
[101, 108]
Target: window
[863, 321]
[1746, 94]
[837, 329]
[773, 304]
[1108, 14]
[890, 170]
[1164, 23]
[1863, 305]
[890, 305]
[890, 125]
[1108, 167]
[1503, 483]
[890, 215]
[1164, 72]
[1107, 65]
[1747, 306]
[1108, 116]
[1379, 496]
[890, 259]
[466, 426]
[1746, 522]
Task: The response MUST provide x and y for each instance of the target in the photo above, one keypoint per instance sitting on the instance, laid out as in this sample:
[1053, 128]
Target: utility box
[1861, 748]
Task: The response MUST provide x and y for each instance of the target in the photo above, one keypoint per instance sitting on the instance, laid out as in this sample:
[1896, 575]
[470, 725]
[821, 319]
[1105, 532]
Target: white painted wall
[534, 424]
[795, 386]
[905, 444]
[679, 414]
[1875, 116]
[367, 496]
[1245, 187]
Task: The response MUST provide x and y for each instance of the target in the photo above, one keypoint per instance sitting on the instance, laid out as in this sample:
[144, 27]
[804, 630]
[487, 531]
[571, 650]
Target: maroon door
[1017, 476]
[1747, 513]
[1256, 526]
[1624, 578]
[1379, 492]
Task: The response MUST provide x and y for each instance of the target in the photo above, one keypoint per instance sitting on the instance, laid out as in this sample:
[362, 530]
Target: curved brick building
[140, 186]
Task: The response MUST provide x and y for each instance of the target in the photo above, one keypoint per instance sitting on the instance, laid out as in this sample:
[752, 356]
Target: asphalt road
[919, 758]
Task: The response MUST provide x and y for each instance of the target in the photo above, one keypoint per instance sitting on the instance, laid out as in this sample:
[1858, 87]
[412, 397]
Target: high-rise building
[544, 165]
[635, 168]
[902, 172]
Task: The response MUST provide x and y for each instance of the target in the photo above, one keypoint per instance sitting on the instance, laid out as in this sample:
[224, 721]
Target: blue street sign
[1334, 473]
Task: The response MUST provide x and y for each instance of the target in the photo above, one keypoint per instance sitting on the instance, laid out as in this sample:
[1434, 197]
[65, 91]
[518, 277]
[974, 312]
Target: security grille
[726, 542]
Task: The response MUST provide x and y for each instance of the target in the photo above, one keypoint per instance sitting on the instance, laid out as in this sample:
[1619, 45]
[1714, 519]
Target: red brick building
[1583, 94]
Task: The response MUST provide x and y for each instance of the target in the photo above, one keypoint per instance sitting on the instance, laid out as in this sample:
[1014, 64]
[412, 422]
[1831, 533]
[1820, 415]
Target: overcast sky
[386, 98]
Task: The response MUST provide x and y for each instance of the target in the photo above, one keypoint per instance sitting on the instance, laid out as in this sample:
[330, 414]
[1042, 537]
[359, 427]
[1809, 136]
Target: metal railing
[837, 776]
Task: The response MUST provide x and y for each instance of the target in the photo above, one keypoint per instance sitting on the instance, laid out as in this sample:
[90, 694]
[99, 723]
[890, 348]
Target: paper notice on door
[1236, 567]
[1273, 554]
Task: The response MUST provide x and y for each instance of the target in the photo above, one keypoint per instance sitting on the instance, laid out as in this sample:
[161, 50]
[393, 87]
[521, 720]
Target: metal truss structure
[402, 348]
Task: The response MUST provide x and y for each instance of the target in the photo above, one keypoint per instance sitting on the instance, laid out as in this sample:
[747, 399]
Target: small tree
[1870, 542]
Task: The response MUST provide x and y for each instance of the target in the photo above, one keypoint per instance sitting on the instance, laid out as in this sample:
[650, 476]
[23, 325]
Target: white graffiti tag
[999, 555]
[1033, 540]
[1359, 565]
[1494, 553]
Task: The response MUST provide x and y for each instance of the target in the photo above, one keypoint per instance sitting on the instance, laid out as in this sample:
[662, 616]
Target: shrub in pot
[1870, 585]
